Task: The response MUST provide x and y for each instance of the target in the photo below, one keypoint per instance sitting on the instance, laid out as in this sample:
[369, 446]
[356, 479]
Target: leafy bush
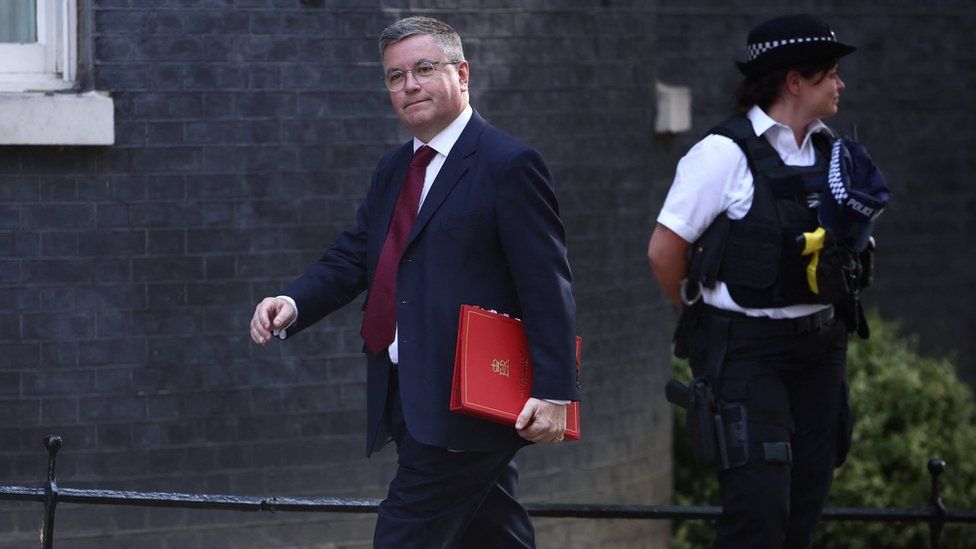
[908, 409]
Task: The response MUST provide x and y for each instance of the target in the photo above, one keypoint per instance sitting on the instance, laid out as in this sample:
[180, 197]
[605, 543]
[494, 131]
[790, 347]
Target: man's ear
[463, 74]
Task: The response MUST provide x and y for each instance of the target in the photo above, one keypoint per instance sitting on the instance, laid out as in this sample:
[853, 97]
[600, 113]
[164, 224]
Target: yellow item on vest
[812, 244]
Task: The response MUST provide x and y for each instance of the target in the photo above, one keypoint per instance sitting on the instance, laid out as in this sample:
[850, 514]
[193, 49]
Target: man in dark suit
[461, 214]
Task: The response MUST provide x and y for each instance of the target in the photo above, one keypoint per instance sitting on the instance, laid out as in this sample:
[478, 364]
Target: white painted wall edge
[34, 118]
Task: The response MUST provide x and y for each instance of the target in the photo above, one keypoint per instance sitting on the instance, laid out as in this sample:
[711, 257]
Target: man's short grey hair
[444, 36]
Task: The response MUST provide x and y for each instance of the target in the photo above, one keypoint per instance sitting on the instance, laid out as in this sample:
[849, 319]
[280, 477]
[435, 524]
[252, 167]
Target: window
[38, 55]
[37, 44]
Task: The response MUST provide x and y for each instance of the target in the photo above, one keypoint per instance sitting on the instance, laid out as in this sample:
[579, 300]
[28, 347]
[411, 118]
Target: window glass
[18, 21]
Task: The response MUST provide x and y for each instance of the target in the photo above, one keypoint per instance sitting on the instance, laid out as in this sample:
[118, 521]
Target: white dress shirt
[714, 178]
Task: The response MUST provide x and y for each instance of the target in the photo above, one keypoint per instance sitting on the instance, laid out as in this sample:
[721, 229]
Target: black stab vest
[760, 259]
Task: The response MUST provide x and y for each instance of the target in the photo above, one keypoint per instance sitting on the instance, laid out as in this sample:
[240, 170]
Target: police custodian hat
[788, 41]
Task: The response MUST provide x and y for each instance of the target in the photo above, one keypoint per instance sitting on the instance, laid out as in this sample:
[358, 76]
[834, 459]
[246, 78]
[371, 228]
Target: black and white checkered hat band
[834, 181]
[755, 50]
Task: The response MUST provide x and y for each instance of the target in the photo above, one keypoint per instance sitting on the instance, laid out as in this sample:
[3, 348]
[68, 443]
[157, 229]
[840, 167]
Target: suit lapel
[454, 168]
[394, 181]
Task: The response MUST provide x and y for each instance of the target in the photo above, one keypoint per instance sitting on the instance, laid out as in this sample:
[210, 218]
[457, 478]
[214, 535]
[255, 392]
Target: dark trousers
[792, 385]
[445, 499]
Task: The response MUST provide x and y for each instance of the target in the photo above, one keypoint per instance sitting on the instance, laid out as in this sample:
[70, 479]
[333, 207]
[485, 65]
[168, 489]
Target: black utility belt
[742, 325]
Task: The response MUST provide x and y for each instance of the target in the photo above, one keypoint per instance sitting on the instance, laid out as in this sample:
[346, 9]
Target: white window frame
[30, 113]
[51, 62]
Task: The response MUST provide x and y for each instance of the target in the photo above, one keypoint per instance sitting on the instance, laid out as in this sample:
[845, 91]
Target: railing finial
[53, 444]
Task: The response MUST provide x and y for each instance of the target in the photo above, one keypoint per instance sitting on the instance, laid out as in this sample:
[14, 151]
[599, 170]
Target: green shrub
[908, 409]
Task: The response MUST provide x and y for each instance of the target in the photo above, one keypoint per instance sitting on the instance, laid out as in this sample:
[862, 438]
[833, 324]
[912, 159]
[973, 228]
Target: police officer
[725, 250]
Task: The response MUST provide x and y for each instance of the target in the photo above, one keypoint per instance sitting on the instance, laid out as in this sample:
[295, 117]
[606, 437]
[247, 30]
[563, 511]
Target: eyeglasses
[423, 71]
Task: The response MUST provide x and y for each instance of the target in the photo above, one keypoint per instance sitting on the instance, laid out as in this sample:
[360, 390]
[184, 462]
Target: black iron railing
[935, 513]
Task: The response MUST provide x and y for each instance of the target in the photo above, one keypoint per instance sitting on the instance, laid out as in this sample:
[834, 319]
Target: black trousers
[441, 498]
[792, 382]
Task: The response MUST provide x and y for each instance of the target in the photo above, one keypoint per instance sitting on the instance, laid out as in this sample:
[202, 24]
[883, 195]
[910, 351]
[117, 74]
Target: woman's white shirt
[714, 179]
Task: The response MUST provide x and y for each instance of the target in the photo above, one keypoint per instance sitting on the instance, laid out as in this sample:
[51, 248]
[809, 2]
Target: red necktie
[379, 319]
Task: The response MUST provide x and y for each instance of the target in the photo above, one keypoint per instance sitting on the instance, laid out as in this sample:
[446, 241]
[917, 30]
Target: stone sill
[39, 118]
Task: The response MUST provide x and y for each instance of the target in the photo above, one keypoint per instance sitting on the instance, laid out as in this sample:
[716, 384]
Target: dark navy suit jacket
[487, 234]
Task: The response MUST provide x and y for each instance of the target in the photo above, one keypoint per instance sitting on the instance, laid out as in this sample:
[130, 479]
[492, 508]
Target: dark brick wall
[246, 134]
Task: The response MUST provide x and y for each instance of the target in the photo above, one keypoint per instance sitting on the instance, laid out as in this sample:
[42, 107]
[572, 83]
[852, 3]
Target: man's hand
[273, 313]
[541, 422]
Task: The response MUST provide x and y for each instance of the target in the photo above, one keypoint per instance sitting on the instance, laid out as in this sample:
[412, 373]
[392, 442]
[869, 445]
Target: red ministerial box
[492, 372]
